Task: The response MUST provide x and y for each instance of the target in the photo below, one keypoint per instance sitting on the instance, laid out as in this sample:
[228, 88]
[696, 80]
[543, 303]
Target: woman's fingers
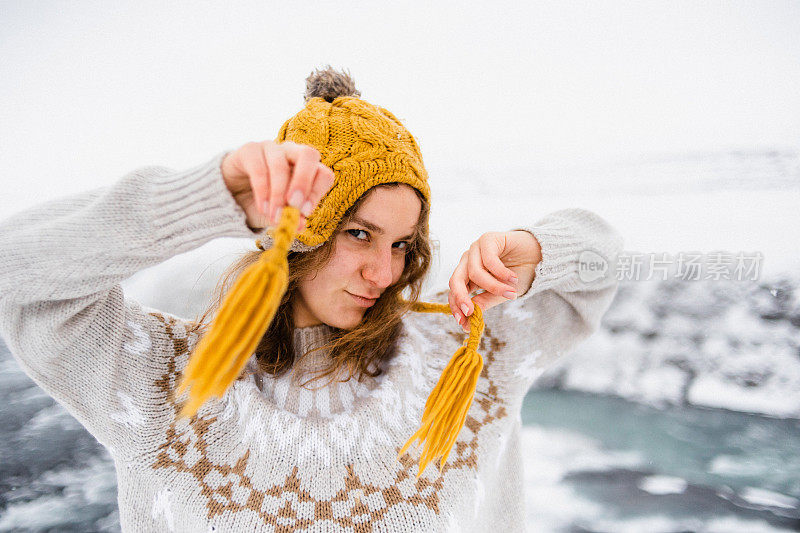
[490, 248]
[263, 177]
[451, 300]
[323, 181]
[256, 167]
[484, 279]
[294, 171]
[458, 290]
[305, 160]
[481, 276]
[480, 267]
[471, 287]
[279, 170]
[462, 320]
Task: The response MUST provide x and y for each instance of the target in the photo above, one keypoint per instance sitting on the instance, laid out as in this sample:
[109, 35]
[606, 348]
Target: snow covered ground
[723, 344]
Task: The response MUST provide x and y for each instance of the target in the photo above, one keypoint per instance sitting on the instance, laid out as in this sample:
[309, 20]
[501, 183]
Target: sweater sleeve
[63, 313]
[574, 284]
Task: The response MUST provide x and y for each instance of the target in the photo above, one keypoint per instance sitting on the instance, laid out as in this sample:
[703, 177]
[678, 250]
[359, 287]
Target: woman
[273, 454]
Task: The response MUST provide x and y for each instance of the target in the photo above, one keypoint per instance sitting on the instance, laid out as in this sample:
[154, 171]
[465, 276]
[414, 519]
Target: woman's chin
[347, 320]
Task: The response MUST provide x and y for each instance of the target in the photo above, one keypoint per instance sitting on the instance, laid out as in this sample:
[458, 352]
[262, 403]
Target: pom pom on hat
[328, 84]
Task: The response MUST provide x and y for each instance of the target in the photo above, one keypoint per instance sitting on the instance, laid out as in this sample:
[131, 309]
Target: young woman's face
[369, 256]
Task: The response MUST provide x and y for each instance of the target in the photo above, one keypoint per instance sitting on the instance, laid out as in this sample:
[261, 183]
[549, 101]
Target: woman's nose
[379, 269]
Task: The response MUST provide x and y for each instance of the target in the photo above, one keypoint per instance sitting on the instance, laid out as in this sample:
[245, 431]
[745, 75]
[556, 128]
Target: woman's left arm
[565, 267]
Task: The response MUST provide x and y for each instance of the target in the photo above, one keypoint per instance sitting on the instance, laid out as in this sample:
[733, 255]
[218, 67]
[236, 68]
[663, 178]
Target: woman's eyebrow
[373, 228]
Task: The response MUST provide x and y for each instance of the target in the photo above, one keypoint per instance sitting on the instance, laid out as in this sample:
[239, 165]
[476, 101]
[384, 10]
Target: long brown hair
[360, 350]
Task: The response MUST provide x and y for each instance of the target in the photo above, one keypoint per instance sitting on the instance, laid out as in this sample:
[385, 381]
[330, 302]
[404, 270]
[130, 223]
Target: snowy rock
[711, 343]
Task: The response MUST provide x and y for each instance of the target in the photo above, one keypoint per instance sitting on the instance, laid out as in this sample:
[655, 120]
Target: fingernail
[513, 279]
[465, 309]
[265, 208]
[307, 207]
[277, 215]
[296, 199]
[510, 295]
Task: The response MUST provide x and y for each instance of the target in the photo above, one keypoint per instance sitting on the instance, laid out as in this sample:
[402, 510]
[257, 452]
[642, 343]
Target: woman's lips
[361, 301]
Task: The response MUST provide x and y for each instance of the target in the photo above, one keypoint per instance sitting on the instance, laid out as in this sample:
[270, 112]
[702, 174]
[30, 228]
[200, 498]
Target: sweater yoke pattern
[289, 505]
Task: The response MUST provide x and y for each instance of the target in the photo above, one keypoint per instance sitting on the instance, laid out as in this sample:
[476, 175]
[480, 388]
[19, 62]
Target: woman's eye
[356, 232]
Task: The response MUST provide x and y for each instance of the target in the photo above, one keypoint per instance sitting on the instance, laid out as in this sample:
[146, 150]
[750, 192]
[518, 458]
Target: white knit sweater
[269, 455]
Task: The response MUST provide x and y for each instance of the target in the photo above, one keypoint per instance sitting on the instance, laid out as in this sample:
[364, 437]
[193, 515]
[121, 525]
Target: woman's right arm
[63, 313]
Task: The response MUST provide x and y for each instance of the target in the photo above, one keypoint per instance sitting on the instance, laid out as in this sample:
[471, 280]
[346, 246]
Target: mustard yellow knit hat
[364, 144]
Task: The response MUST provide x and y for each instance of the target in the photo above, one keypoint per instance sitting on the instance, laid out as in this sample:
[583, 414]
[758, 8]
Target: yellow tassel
[241, 322]
[447, 406]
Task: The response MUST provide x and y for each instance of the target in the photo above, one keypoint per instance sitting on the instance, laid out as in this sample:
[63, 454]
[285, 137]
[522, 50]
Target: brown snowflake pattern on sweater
[288, 505]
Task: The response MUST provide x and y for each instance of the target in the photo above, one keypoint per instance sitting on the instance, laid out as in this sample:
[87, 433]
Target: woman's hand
[263, 177]
[502, 264]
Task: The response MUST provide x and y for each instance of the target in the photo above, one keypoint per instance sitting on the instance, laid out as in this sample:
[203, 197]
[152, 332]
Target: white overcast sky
[90, 90]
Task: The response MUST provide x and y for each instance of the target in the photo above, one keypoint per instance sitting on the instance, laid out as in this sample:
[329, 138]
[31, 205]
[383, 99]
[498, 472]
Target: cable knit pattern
[270, 455]
[364, 144]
